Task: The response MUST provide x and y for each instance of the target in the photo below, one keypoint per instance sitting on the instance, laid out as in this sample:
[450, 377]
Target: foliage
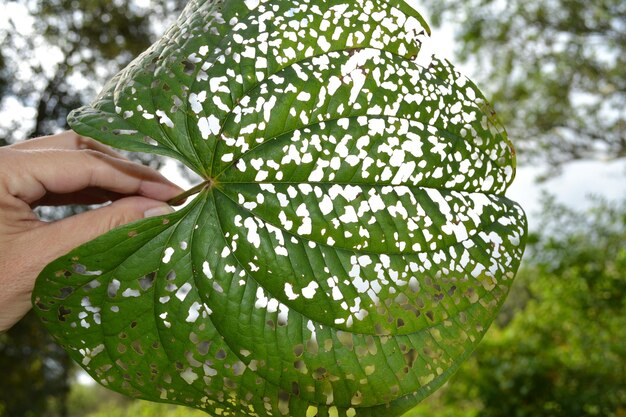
[52, 56]
[147, 409]
[350, 244]
[93, 400]
[562, 354]
[3, 75]
[34, 379]
[555, 68]
[96, 401]
[90, 398]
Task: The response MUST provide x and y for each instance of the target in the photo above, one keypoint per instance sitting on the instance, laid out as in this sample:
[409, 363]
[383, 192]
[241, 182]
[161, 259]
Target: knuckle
[95, 162]
[11, 164]
[82, 143]
[120, 218]
[92, 153]
[115, 221]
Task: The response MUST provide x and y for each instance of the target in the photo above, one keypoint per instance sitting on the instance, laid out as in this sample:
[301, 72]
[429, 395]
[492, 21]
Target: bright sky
[578, 181]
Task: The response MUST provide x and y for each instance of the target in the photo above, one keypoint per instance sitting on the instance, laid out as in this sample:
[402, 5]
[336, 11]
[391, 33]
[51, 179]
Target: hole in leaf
[320, 373]
[42, 306]
[146, 282]
[410, 357]
[65, 292]
[203, 348]
[188, 67]
[150, 141]
[136, 345]
[298, 350]
[63, 312]
[113, 288]
[92, 285]
[300, 366]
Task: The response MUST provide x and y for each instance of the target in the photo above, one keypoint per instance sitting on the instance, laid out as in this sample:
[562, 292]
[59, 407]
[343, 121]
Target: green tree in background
[554, 68]
[35, 372]
[555, 71]
[558, 349]
[58, 53]
[54, 56]
[3, 75]
[563, 354]
[97, 401]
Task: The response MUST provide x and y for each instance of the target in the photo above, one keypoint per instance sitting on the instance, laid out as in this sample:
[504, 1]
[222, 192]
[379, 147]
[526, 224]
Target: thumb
[60, 237]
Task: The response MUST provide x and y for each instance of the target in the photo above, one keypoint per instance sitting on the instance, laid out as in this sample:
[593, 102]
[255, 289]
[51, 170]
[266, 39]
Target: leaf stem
[192, 191]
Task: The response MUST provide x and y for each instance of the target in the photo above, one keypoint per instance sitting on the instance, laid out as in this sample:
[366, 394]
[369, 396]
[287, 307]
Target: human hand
[59, 170]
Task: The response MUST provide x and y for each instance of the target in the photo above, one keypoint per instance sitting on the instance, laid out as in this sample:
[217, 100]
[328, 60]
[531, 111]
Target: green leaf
[351, 243]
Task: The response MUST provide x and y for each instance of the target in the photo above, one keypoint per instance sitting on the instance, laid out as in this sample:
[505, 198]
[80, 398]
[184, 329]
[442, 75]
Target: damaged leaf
[351, 241]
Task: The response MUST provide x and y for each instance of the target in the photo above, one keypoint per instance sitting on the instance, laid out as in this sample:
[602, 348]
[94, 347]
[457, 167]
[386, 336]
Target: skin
[59, 170]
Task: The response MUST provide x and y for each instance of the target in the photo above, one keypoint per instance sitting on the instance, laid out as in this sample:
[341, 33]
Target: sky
[573, 186]
[577, 181]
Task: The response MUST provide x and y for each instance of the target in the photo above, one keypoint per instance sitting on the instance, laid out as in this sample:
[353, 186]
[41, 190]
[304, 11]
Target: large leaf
[351, 242]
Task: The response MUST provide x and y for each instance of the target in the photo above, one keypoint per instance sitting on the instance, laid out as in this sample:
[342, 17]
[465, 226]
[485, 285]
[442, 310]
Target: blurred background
[556, 73]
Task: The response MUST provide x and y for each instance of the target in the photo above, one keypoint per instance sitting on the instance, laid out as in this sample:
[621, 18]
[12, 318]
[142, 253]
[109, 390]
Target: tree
[58, 58]
[3, 75]
[35, 372]
[97, 401]
[54, 57]
[554, 68]
[558, 350]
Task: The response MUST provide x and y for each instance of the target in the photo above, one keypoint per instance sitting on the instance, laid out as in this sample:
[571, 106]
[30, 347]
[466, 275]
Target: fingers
[68, 140]
[58, 238]
[35, 173]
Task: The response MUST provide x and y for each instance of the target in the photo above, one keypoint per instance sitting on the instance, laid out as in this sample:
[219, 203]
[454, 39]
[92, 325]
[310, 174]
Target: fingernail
[158, 211]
